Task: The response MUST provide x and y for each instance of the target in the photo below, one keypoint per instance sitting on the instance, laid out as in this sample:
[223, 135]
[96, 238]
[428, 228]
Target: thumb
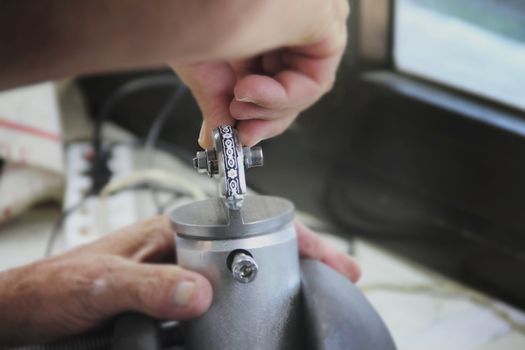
[161, 291]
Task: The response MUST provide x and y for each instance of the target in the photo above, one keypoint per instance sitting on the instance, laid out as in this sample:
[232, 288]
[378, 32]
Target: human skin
[130, 270]
[255, 63]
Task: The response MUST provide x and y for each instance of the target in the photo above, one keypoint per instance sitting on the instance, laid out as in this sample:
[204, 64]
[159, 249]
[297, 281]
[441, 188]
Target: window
[477, 46]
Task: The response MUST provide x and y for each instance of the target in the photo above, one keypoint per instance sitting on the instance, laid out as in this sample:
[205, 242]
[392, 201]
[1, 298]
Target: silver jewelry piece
[228, 160]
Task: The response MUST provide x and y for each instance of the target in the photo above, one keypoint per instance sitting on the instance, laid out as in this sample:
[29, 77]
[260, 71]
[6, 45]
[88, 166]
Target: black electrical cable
[58, 225]
[163, 116]
[63, 216]
[154, 133]
[100, 172]
[132, 87]
[102, 156]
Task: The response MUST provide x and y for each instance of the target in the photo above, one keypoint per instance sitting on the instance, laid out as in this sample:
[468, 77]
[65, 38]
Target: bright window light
[477, 46]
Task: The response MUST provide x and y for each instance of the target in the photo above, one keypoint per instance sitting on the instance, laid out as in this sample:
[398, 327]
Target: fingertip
[247, 111]
[213, 119]
[252, 131]
[161, 291]
[351, 268]
[204, 143]
[203, 296]
[344, 264]
[243, 110]
[312, 246]
[205, 136]
[250, 141]
[192, 296]
[357, 273]
[261, 90]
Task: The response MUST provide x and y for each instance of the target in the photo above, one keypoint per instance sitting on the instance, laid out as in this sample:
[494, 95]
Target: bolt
[200, 162]
[244, 268]
[253, 157]
[206, 162]
[213, 164]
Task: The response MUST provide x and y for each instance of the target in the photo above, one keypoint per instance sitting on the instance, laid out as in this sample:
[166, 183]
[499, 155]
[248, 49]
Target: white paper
[30, 131]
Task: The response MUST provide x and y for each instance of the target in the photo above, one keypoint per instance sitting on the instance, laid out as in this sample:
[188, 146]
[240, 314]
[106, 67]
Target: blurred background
[415, 162]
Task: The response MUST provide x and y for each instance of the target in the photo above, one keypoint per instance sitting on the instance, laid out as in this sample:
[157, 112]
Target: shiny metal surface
[230, 158]
[247, 248]
[228, 161]
[206, 162]
[210, 219]
[253, 157]
[336, 315]
[263, 314]
[244, 268]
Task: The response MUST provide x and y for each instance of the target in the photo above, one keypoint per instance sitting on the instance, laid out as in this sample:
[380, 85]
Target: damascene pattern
[231, 165]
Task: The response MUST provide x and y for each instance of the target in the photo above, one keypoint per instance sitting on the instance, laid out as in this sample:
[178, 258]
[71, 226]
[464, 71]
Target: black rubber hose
[96, 342]
[135, 331]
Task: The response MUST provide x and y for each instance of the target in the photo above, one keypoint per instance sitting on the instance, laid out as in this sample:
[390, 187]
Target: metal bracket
[228, 160]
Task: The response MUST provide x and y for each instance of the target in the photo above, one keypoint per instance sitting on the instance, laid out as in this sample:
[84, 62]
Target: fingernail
[246, 99]
[201, 133]
[183, 293]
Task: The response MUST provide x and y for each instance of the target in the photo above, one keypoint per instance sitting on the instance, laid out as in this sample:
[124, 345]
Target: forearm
[48, 39]
[14, 301]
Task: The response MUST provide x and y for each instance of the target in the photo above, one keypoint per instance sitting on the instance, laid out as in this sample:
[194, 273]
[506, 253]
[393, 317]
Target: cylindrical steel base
[262, 314]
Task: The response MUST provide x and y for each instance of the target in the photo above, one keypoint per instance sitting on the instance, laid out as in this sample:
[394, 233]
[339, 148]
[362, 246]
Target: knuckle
[98, 277]
[83, 286]
[145, 296]
[111, 288]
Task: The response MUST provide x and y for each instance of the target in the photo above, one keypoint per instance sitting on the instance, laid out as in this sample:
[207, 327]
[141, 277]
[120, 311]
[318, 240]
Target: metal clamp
[228, 159]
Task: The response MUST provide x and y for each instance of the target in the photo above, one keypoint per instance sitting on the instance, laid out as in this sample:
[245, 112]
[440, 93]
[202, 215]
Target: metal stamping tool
[227, 160]
[246, 246]
[263, 297]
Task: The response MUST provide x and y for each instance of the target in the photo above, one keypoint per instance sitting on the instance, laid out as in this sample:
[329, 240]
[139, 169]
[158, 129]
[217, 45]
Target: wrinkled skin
[262, 95]
[129, 270]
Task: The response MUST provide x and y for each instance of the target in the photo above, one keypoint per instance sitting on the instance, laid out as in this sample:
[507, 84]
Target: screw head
[206, 162]
[244, 268]
[253, 156]
[200, 162]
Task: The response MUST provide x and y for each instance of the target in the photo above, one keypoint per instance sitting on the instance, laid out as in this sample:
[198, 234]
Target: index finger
[150, 240]
[313, 247]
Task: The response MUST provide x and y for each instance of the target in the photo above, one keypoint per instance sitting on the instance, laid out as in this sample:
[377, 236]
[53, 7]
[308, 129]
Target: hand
[74, 292]
[311, 246]
[262, 95]
[78, 37]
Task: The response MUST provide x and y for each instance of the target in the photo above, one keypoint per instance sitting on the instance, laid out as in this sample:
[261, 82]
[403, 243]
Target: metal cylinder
[251, 259]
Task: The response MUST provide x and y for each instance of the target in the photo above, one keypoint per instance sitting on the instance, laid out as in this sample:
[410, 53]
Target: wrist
[11, 308]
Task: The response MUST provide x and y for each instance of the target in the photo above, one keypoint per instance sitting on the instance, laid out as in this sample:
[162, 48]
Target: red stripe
[9, 124]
